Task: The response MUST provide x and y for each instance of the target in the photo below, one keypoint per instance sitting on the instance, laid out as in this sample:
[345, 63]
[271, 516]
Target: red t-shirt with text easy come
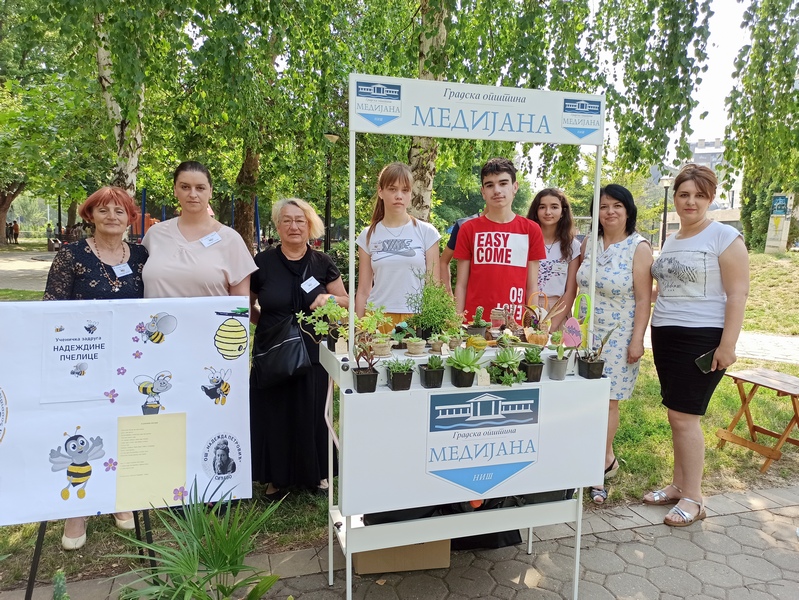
[498, 254]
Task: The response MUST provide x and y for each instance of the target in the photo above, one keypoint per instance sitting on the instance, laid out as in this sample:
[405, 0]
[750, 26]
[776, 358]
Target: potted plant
[560, 361]
[478, 325]
[382, 344]
[436, 341]
[465, 362]
[399, 334]
[431, 375]
[455, 335]
[366, 330]
[531, 364]
[433, 307]
[589, 362]
[416, 345]
[324, 320]
[536, 321]
[399, 373]
[504, 369]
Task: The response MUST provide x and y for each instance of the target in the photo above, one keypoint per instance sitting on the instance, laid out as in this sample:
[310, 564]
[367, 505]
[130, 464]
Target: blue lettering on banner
[489, 121]
[581, 117]
[378, 103]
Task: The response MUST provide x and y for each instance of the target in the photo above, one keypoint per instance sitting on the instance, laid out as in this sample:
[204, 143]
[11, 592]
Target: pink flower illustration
[110, 465]
[112, 395]
[180, 493]
[137, 354]
[140, 328]
[121, 371]
[135, 338]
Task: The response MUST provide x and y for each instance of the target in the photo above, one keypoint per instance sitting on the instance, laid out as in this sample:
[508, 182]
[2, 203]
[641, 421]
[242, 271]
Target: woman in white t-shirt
[702, 278]
[557, 274]
[396, 249]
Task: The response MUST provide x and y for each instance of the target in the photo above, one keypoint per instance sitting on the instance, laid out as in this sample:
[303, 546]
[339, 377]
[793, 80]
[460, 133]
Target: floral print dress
[614, 304]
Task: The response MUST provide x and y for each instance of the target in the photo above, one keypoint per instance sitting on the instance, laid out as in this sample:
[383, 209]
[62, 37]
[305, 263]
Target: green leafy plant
[504, 368]
[203, 555]
[60, 586]
[367, 328]
[559, 347]
[434, 363]
[532, 355]
[466, 359]
[433, 306]
[399, 334]
[399, 365]
[595, 354]
[414, 339]
[323, 317]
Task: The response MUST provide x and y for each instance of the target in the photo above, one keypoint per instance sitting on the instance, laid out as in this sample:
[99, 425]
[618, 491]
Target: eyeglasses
[300, 222]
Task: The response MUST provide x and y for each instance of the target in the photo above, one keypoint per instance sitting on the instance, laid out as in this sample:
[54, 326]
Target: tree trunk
[127, 133]
[246, 181]
[424, 150]
[72, 213]
[7, 195]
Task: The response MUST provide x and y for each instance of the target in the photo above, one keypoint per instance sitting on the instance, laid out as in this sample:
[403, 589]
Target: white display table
[428, 447]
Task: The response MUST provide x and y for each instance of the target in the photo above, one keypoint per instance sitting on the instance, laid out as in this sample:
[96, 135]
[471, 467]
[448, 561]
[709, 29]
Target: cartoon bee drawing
[160, 326]
[153, 388]
[79, 370]
[90, 327]
[79, 451]
[219, 388]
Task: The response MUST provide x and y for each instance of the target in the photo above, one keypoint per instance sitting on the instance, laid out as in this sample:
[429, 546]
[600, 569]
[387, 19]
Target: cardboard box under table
[414, 557]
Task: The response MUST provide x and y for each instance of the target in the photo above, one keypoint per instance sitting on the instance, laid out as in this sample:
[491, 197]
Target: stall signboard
[391, 105]
[107, 406]
[779, 223]
[427, 447]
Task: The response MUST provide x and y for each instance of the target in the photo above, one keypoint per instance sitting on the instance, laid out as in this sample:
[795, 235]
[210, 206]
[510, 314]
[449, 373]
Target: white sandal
[687, 518]
[661, 498]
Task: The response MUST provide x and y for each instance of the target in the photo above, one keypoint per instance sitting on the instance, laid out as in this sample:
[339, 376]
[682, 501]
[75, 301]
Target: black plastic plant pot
[532, 371]
[431, 378]
[332, 338]
[365, 380]
[400, 381]
[557, 368]
[462, 379]
[590, 370]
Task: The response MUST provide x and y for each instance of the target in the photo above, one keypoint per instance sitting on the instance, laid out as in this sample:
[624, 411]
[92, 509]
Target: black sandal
[611, 471]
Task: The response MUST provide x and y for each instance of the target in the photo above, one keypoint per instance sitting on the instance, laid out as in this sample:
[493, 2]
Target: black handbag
[279, 353]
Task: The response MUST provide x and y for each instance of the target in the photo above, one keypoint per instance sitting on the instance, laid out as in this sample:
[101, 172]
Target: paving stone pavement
[746, 549]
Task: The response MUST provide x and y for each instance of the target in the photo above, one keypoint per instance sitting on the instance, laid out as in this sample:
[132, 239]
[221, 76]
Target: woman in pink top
[195, 255]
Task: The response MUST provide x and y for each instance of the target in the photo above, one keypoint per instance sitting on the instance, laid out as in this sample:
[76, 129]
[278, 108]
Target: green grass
[774, 288]
[19, 295]
[26, 245]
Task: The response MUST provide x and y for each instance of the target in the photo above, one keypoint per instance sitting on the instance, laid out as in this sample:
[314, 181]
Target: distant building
[710, 153]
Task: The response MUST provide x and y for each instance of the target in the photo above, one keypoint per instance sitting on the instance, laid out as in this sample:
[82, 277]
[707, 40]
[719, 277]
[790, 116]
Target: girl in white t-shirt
[395, 249]
[557, 274]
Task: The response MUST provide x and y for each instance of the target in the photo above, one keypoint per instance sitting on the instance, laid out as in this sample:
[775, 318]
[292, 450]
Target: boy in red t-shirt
[498, 253]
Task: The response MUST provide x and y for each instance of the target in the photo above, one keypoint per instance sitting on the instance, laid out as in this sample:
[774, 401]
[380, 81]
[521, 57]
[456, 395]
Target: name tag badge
[211, 239]
[122, 270]
[309, 284]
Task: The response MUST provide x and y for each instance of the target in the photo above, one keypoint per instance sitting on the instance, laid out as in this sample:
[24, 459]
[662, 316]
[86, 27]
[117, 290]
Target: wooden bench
[784, 385]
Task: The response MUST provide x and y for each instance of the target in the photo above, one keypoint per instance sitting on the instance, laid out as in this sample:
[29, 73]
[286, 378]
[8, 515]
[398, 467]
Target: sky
[726, 39]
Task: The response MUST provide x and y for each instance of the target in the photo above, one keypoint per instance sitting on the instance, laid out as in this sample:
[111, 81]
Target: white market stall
[396, 450]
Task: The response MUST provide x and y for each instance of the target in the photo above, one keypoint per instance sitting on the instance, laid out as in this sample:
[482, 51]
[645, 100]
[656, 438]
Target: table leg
[745, 400]
[780, 442]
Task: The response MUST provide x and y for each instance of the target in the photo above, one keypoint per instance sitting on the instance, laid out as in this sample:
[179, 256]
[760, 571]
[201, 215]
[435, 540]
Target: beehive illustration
[231, 339]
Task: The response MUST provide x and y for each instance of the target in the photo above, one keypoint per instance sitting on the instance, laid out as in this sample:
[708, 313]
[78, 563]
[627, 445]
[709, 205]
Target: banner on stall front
[107, 406]
[392, 105]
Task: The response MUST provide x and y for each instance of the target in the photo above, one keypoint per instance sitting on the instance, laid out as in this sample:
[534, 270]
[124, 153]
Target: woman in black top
[287, 422]
[102, 267]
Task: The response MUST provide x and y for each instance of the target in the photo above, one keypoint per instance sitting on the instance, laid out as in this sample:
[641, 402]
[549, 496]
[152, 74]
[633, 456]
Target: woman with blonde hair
[287, 421]
[395, 249]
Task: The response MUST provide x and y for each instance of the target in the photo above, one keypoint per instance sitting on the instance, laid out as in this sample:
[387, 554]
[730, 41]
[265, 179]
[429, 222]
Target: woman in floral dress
[622, 300]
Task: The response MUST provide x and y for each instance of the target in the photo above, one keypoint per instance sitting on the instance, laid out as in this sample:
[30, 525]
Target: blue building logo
[378, 103]
[581, 117]
[478, 440]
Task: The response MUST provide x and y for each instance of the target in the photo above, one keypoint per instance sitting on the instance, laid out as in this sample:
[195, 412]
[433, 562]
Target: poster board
[107, 406]
[779, 223]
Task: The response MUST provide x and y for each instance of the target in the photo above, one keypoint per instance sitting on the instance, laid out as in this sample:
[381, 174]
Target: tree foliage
[763, 134]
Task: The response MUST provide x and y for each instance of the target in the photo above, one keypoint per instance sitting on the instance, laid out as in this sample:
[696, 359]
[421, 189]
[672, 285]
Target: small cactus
[60, 586]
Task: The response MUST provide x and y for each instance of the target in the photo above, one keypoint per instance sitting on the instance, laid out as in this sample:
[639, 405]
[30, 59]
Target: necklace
[549, 246]
[116, 284]
[399, 233]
